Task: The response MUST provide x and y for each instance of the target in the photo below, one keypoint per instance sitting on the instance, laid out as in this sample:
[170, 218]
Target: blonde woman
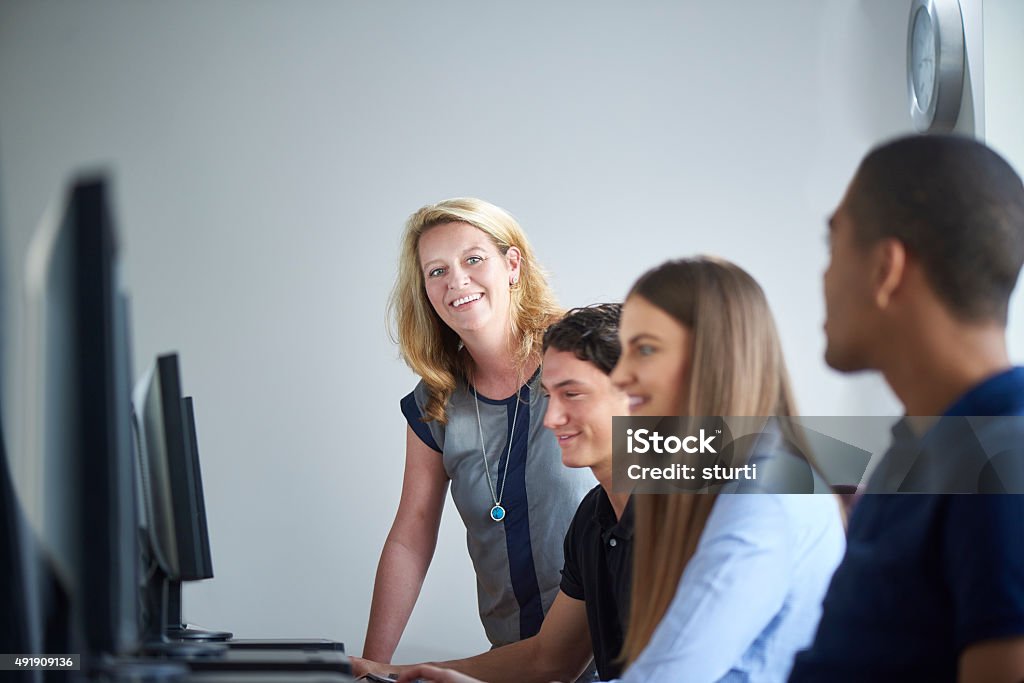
[470, 306]
[726, 587]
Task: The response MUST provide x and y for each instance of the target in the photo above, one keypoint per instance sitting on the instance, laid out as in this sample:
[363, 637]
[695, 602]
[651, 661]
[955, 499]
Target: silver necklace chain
[491, 489]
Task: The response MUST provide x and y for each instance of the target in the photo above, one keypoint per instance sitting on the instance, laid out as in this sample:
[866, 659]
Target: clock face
[923, 58]
[936, 64]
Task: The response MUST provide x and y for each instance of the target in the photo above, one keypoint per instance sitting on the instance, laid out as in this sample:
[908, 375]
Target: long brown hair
[426, 343]
[736, 367]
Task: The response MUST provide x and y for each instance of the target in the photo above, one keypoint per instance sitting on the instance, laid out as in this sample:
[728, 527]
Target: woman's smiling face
[654, 367]
[466, 278]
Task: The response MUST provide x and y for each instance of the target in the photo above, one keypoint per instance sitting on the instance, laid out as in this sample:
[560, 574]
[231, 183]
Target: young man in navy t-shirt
[926, 247]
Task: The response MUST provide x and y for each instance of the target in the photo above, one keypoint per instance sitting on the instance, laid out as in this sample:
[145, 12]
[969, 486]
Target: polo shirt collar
[604, 515]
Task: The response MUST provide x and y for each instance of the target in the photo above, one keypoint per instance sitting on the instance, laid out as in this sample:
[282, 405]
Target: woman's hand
[361, 667]
[427, 673]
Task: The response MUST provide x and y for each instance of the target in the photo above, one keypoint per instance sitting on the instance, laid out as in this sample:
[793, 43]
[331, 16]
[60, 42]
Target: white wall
[268, 153]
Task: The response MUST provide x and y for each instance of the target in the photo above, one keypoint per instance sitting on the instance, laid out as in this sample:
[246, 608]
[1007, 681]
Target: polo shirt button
[612, 542]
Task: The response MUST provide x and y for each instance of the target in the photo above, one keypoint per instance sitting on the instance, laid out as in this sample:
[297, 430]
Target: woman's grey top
[518, 560]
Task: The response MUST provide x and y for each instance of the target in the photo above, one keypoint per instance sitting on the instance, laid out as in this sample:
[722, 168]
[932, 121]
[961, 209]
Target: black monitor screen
[204, 563]
[170, 480]
[78, 410]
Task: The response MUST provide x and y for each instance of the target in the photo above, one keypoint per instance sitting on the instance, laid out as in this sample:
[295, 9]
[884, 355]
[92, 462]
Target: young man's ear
[890, 270]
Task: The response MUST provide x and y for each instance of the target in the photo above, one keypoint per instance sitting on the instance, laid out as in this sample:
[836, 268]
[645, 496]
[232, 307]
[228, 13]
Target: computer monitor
[78, 441]
[167, 472]
[175, 514]
[78, 434]
[201, 543]
[176, 626]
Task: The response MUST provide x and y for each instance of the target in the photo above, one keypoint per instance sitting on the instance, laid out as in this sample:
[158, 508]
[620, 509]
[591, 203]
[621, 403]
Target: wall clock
[935, 64]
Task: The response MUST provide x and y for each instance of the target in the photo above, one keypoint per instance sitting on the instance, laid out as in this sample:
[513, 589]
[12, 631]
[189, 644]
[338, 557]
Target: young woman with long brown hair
[726, 587]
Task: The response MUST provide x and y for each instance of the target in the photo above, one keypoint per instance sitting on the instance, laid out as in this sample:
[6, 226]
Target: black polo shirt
[598, 566]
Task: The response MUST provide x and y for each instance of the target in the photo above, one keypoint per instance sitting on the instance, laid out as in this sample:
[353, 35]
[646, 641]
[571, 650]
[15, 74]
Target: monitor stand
[177, 629]
[155, 640]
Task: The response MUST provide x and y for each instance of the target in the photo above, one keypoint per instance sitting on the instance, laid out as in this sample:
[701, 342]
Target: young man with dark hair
[926, 248]
[586, 620]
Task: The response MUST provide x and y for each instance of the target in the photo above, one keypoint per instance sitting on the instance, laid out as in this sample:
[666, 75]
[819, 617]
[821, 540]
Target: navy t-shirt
[925, 576]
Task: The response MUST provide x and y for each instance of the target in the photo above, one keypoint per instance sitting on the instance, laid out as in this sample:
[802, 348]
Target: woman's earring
[513, 283]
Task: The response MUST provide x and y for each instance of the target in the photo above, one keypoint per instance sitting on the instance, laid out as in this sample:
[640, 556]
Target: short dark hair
[589, 332]
[957, 206]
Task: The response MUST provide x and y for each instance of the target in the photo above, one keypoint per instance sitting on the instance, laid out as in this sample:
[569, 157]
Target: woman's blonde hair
[426, 343]
[736, 367]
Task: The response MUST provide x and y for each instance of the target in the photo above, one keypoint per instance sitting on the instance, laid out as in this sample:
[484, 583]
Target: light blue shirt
[750, 598]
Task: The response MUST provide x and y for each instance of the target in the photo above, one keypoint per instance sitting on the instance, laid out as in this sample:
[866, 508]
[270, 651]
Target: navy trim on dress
[412, 416]
[523, 573]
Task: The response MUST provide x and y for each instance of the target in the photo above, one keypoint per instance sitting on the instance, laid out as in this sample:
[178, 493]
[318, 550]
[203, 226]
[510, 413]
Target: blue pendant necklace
[497, 512]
